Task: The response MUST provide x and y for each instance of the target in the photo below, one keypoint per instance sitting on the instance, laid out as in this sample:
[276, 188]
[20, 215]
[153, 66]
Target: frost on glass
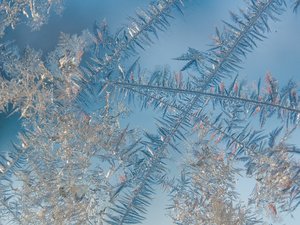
[76, 163]
[34, 12]
[198, 200]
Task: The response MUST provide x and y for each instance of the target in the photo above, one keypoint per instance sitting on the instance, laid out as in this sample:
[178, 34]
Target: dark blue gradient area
[9, 128]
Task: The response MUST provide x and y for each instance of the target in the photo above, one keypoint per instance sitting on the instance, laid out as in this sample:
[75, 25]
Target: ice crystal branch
[234, 42]
[66, 78]
[65, 147]
[276, 175]
[197, 198]
[258, 12]
[75, 164]
[71, 173]
[36, 12]
[223, 97]
[238, 138]
[296, 5]
[137, 34]
[27, 88]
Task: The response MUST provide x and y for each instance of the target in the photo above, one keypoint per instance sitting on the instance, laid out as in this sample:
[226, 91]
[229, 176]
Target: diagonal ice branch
[11, 211]
[147, 22]
[260, 9]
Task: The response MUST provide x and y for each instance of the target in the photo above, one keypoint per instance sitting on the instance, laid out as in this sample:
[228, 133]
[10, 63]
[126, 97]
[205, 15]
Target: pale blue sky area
[279, 54]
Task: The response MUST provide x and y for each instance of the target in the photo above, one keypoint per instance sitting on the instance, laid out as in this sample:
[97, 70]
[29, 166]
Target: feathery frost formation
[74, 163]
[36, 12]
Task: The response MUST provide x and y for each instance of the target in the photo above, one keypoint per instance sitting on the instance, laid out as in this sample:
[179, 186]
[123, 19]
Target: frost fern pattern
[74, 161]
